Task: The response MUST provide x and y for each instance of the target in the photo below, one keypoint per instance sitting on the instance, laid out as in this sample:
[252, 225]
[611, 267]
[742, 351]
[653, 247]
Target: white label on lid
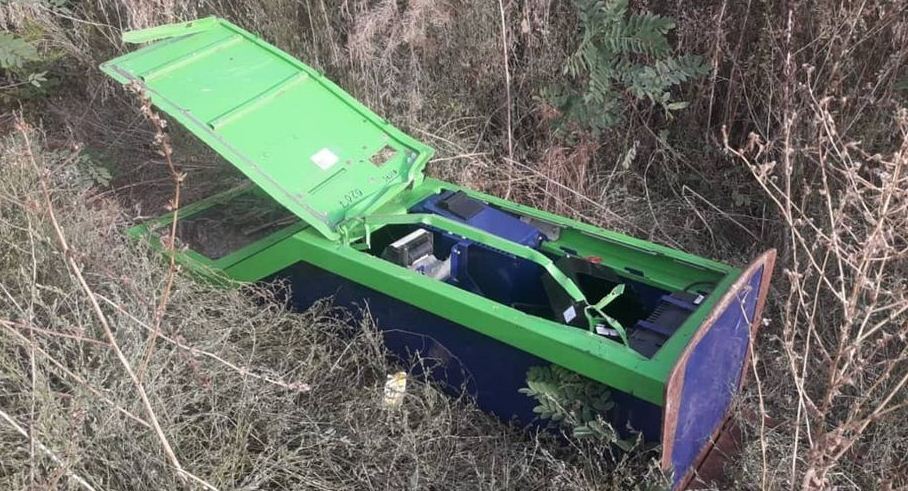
[699, 299]
[569, 314]
[324, 158]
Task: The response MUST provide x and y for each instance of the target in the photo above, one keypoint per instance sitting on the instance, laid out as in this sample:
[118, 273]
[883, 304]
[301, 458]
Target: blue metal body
[483, 270]
[484, 217]
[457, 358]
[715, 364]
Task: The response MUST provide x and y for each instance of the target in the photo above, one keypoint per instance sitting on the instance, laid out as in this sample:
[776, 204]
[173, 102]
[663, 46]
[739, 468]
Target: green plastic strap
[601, 304]
[612, 295]
[482, 237]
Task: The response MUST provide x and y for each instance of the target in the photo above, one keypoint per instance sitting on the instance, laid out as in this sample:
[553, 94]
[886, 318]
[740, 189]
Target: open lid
[307, 143]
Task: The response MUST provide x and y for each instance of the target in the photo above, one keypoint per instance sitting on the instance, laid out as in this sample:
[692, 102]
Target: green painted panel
[593, 356]
[316, 150]
[345, 171]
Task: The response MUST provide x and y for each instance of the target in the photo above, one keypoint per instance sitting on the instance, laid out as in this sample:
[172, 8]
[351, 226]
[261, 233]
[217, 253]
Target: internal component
[461, 207]
[414, 251]
[231, 224]
[627, 310]
[596, 281]
[549, 230]
[649, 335]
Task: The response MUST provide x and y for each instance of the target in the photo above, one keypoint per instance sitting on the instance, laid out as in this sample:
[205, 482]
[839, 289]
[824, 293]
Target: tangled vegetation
[606, 64]
[722, 128]
[240, 393]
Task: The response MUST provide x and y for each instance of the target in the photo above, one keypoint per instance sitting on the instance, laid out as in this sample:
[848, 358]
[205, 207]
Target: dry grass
[844, 343]
[238, 393]
[819, 91]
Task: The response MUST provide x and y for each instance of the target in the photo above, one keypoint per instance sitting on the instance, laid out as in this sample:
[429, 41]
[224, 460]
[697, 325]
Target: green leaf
[571, 401]
[626, 444]
[582, 431]
[36, 79]
[15, 52]
[619, 54]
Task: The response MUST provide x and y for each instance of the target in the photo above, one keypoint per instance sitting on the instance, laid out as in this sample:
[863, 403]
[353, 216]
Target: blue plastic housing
[482, 216]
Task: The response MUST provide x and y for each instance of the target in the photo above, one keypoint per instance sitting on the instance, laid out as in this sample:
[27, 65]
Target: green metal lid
[307, 143]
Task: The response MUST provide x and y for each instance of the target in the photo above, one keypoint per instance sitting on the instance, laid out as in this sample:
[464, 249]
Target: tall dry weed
[246, 393]
[832, 163]
[820, 86]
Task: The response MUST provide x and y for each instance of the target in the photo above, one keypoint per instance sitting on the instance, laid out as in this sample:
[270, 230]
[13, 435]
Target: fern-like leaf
[620, 53]
[15, 52]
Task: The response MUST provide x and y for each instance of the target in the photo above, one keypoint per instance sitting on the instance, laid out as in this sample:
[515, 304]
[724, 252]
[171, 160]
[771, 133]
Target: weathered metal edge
[675, 382]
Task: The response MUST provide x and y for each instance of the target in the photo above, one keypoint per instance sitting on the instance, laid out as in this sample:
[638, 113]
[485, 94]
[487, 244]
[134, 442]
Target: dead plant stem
[99, 313]
[31, 438]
